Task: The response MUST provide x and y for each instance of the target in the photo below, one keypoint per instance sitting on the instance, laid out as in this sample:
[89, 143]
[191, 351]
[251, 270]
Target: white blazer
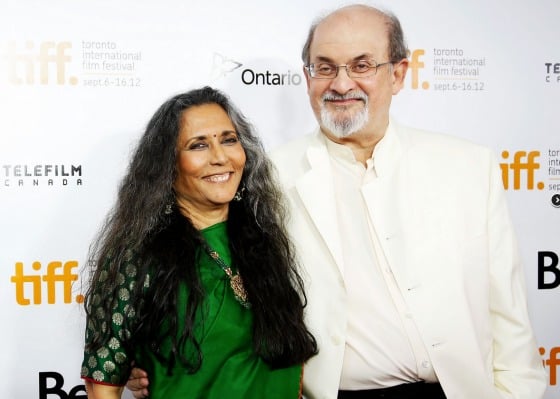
[438, 207]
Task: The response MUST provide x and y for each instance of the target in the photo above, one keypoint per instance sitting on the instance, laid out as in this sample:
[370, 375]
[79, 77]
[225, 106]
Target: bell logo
[549, 274]
[51, 386]
[522, 161]
[45, 63]
[57, 272]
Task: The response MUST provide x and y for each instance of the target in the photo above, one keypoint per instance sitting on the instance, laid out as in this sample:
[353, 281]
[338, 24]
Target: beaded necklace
[235, 280]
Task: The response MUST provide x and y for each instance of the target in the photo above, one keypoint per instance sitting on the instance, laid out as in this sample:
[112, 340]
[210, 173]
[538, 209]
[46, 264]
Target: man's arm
[517, 364]
[138, 383]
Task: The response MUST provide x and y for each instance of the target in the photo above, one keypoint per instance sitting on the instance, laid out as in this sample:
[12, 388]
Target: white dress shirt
[383, 347]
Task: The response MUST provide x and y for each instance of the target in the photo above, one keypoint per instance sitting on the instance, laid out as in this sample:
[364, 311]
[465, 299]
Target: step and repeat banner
[79, 80]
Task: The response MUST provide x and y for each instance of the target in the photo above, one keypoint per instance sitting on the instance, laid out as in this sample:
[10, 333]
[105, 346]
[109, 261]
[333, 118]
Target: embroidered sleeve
[111, 364]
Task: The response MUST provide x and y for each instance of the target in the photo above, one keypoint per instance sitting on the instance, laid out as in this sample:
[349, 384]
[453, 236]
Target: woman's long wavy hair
[141, 223]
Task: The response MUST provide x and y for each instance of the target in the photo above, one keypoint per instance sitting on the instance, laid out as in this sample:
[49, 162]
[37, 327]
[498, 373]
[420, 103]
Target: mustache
[353, 95]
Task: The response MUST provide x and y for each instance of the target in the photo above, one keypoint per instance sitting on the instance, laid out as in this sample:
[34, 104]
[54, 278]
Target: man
[414, 283]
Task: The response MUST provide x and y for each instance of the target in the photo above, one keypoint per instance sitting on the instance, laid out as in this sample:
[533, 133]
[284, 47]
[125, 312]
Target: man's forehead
[351, 26]
[354, 18]
[348, 40]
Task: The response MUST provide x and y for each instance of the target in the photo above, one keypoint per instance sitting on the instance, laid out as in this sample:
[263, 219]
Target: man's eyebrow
[363, 56]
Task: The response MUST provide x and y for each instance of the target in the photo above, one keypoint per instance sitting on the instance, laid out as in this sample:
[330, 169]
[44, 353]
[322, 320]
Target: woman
[194, 278]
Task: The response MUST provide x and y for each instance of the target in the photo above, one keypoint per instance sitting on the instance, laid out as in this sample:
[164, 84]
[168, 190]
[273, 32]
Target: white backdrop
[80, 79]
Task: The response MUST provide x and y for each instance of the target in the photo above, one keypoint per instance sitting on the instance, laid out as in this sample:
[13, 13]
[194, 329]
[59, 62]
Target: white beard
[345, 125]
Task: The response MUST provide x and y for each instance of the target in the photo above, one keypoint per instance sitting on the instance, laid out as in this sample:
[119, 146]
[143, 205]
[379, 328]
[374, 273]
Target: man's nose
[342, 83]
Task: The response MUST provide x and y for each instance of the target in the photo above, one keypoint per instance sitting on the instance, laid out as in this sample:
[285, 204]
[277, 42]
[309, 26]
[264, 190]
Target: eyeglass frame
[309, 68]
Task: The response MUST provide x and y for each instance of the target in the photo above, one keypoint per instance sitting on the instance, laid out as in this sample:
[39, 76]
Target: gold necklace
[235, 280]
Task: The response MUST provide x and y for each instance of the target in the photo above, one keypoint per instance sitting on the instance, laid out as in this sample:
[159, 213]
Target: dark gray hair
[147, 189]
[142, 223]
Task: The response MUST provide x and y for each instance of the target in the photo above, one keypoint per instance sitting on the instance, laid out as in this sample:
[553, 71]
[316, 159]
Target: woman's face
[210, 161]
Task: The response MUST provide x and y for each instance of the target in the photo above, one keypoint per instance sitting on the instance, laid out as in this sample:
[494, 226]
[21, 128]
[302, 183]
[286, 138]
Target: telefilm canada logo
[40, 175]
[552, 72]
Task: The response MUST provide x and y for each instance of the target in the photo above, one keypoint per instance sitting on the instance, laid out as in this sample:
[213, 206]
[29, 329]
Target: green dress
[230, 369]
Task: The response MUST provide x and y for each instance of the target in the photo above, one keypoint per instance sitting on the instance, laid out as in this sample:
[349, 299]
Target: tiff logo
[522, 162]
[57, 272]
[45, 63]
[551, 363]
[415, 65]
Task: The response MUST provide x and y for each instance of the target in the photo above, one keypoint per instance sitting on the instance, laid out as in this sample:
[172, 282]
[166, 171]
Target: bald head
[355, 16]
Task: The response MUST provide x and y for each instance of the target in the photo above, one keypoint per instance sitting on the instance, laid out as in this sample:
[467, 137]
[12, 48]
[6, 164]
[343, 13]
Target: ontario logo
[222, 66]
[254, 76]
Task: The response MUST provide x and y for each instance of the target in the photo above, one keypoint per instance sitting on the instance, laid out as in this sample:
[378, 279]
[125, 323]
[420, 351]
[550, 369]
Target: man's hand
[138, 383]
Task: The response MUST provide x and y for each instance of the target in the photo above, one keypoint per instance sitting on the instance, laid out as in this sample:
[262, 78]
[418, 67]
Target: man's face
[344, 106]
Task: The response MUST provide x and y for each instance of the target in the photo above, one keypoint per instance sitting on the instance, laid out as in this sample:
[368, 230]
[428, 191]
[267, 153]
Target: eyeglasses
[355, 69]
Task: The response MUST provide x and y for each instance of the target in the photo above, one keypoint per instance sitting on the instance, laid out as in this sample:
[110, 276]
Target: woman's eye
[198, 146]
[230, 140]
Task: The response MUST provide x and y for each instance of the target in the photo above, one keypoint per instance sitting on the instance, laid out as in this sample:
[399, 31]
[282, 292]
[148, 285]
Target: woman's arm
[106, 366]
[102, 391]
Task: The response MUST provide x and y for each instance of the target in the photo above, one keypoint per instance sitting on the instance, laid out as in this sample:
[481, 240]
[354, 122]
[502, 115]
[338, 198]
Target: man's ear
[399, 73]
[307, 77]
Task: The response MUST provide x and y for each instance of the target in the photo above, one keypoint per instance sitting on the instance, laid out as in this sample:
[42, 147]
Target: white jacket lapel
[316, 191]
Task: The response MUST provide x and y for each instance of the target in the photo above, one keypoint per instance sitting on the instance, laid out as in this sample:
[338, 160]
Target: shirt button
[425, 364]
[335, 339]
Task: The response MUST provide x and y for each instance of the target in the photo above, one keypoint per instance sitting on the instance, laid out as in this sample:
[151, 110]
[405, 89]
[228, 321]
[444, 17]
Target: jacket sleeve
[517, 367]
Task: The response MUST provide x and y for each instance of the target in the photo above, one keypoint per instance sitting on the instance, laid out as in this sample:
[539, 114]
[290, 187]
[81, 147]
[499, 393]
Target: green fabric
[230, 369]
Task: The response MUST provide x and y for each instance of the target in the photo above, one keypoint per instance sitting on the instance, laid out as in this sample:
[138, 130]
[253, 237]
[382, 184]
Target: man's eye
[324, 68]
[361, 67]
